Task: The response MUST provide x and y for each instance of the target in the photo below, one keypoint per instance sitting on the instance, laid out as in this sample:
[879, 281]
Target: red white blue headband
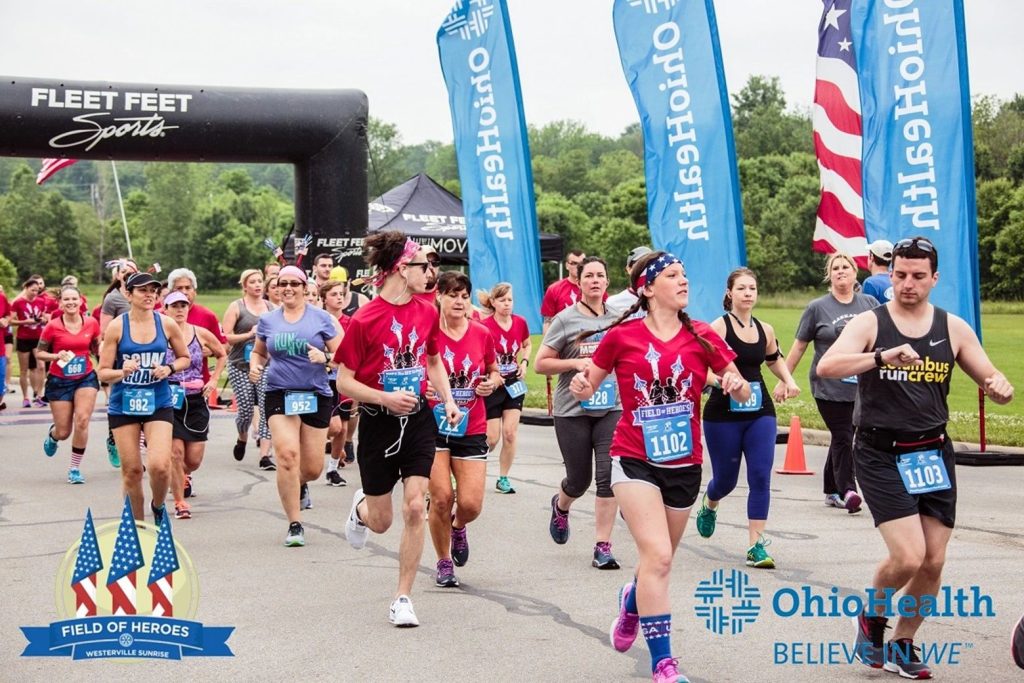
[412, 247]
[653, 270]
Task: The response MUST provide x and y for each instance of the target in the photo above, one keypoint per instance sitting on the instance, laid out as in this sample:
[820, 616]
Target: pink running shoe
[667, 672]
[626, 626]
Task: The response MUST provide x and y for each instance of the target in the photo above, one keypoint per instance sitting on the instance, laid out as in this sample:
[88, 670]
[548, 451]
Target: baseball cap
[881, 249]
[339, 274]
[636, 255]
[140, 280]
[174, 298]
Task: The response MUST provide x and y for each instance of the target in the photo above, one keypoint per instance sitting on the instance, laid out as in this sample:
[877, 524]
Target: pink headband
[412, 247]
[293, 271]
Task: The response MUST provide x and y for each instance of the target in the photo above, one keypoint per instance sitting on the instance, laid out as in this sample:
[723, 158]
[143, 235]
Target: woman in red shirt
[467, 351]
[66, 343]
[29, 315]
[512, 344]
[660, 363]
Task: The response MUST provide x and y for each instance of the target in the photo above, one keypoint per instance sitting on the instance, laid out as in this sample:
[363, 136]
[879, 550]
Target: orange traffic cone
[213, 402]
[795, 461]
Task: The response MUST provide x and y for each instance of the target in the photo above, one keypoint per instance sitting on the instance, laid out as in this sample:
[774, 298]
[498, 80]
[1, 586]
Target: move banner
[478, 60]
[673, 64]
[918, 163]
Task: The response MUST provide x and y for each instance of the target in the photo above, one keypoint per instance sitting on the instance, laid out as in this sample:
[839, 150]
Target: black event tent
[430, 214]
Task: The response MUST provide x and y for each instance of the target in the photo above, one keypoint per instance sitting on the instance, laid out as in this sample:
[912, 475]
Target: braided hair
[643, 303]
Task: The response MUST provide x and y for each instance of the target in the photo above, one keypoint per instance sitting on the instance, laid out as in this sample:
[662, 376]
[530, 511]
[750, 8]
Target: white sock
[332, 464]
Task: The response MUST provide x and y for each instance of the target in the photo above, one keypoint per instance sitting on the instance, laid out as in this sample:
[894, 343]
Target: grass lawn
[1004, 341]
[1001, 328]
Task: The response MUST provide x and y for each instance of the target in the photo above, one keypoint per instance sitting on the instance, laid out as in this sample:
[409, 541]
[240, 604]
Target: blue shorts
[62, 389]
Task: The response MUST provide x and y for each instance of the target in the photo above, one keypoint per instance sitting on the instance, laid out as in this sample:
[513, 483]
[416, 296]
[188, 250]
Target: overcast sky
[569, 65]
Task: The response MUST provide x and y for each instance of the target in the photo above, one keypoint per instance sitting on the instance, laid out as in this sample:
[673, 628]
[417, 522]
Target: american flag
[51, 166]
[165, 563]
[88, 562]
[123, 565]
[837, 138]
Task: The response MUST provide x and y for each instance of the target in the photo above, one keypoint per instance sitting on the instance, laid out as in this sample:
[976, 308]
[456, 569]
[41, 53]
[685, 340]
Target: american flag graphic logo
[468, 23]
[161, 573]
[126, 561]
[87, 564]
[838, 138]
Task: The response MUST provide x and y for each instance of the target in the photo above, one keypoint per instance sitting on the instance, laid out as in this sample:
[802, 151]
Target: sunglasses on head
[921, 243]
[298, 284]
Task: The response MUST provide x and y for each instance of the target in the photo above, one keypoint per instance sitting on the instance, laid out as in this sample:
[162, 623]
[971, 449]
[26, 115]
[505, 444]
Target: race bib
[923, 472]
[409, 380]
[299, 402]
[247, 351]
[852, 379]
[752, 404]
[516, 389]
[667, 432]
[177, 396]
[605, 396]
[445, 428]
[138, 402]
[75, 367]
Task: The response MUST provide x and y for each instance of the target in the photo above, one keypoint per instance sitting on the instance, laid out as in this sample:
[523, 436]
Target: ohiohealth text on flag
[478, 61]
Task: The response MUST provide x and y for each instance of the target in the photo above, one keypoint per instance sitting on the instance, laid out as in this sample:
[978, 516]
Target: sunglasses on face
[297, 284]
[921, 243]
[434, 261]
[420, 264]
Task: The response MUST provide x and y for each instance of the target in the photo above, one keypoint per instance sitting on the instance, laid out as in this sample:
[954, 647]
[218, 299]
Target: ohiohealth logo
[727, 602]
[472, 23]
[654, 6]
[105, 615]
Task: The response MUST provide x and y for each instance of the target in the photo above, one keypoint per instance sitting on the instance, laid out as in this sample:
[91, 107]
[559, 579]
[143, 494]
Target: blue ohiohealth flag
[918, 163]
[478, 60]
[673, 64]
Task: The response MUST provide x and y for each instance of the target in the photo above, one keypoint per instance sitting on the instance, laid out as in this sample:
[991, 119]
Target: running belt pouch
[902, 442]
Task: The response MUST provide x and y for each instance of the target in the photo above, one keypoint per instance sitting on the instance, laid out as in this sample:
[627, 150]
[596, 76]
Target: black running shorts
[393, 448]
[192, 420]
[887, 497]
[499, 401]
[319, 419]
[469, 447]
[679, 486]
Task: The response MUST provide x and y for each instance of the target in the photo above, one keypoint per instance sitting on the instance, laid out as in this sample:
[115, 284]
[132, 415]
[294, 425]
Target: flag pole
[120, 203]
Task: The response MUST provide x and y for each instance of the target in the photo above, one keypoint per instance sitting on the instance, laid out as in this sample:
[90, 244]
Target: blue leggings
[726, 442]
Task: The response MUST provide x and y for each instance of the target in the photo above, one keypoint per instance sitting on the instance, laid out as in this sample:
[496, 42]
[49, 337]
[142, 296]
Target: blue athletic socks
[631, 600]
[657, 632]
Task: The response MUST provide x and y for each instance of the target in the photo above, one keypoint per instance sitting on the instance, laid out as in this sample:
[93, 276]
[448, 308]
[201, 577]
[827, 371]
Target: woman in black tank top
[732, 429]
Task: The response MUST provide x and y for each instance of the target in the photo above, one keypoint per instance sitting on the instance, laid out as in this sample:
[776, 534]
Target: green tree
[8, 277]
[556, 214]
[761, 123]
[996, 199]
[1008, 260]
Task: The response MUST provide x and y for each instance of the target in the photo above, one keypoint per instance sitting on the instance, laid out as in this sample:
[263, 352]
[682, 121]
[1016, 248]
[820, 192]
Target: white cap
[881, 249]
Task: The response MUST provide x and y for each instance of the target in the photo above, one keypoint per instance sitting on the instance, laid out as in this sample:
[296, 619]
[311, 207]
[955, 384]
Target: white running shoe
[402, 613]
[356, 532]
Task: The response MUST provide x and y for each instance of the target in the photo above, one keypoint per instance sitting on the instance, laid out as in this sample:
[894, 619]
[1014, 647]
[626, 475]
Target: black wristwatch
[878, 358]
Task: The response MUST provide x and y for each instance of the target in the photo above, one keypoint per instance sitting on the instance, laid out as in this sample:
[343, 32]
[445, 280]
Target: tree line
[589, 189]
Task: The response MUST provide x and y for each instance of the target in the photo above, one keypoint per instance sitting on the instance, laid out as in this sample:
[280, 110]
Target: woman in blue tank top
[734, 430]
[140, 398]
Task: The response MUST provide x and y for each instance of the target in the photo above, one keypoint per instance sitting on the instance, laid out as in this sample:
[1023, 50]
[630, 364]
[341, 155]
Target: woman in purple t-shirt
[301, 339]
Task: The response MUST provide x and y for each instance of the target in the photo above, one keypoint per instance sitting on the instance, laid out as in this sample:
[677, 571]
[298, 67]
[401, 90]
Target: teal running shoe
[706, 519]
[758, 557]
[75, 477]
[50, 444]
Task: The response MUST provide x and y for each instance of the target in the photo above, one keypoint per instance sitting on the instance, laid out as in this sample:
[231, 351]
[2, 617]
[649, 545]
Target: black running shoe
[350, 453]
[267, 463]
[869, 646]
[188, 486]
[334, 479]
[239, 450]
[460, 546]
[158, 513]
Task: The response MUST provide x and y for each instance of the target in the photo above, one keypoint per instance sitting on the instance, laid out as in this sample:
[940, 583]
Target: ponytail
[640, 303]
[688, 324]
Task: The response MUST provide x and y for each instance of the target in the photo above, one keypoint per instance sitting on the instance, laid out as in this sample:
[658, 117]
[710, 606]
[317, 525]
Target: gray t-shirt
[822, 322]
[561, 337]
[115, 303]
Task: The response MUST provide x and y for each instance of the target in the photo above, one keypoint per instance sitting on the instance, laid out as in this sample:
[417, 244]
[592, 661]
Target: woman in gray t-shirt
[584, 430]
[822, 323]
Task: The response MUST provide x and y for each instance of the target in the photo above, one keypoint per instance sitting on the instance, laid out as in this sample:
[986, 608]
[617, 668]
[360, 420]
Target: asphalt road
[528, 610]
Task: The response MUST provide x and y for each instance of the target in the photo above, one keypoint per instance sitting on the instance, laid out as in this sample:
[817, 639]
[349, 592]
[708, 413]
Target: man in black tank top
[903, 353]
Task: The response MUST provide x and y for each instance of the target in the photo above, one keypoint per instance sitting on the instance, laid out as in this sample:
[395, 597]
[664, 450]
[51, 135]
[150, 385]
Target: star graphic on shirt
[844, 45]
[832, 17]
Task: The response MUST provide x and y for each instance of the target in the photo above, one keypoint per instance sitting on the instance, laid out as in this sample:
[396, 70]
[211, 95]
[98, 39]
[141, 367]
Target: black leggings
[584, 442]
[838, 475]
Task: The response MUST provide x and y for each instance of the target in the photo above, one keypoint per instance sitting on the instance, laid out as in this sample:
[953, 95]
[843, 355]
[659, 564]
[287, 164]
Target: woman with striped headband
[660, 364]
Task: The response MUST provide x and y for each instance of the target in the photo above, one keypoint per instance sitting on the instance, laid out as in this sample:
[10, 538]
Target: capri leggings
[584, 442]
[247, 395]
[727, 441]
